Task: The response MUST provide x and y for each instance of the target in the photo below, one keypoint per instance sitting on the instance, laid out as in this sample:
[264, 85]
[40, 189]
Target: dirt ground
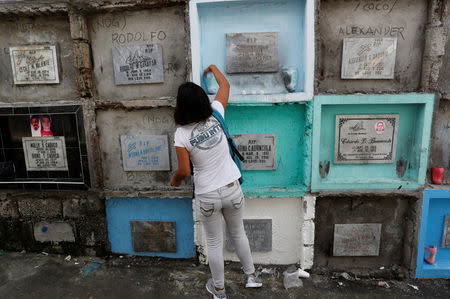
[26, 275]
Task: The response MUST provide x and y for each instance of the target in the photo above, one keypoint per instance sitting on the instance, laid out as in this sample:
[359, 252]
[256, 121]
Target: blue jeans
[227, 201]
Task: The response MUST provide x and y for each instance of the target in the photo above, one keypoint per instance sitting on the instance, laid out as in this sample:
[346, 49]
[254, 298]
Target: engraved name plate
[136, 64]
[259, 151]
[259, 233]
[34, 64]
[357, 239]
[252, 52]
[145, 152]
[368, 58]
[45, 153]
[153, 236]
[365, 138]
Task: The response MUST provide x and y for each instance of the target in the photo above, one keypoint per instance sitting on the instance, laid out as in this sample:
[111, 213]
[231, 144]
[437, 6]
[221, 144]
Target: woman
[217, 190]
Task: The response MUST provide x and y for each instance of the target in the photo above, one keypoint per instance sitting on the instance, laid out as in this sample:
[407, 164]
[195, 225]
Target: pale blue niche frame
[413, 140]
[436, 204]
[121, 210]
[292, 19]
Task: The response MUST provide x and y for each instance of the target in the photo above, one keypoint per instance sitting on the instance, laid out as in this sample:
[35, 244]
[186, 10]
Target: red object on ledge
[438, 174]
[430, 260]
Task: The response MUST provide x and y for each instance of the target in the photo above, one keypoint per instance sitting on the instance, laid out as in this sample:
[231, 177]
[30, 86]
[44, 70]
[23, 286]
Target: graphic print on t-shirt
[207, 134]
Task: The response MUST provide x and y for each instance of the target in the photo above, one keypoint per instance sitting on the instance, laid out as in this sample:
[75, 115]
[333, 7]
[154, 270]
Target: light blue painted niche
[292, 125]
[120, 211]
[436, 204]
[415, 112]
[285, 17]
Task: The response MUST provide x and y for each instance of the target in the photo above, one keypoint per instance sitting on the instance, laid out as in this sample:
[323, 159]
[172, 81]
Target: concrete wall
[15, 31]
[404, 19]
[164, 26]
[66, 222]
[394, 213]
[113, 123]
[440, 145]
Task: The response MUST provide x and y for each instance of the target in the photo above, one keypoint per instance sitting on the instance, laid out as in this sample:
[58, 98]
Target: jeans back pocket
[206, 208]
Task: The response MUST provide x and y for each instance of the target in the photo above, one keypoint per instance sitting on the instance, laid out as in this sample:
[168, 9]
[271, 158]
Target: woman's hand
[209, 69]
[224, 87]
[175, 182]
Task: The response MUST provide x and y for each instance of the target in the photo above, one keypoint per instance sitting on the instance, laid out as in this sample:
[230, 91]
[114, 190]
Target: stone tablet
[357, 239]
[153, 236]
[36, 64]
[445, 243]
[45, 153]
[365, 138]
[145, 152]
[252, 52]
[137, 64]
[259, 233]
[259, 151]
[368, 58]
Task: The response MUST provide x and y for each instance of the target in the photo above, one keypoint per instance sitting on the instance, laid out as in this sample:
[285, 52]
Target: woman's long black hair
[192, 104]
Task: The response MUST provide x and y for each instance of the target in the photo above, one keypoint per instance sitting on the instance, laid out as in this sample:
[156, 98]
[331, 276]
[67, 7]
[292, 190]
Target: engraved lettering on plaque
[153, 236]
[35, 64]
[259, 233]
[252, 52]
[259, 151]
[368, 58]
[145, 152]
[45, 153]
[357, 239]
[365, 138]
[137, 64]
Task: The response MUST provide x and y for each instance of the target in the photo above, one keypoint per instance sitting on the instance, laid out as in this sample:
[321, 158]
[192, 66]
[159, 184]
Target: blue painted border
[422, 270]
[363, 99]
[120, 211]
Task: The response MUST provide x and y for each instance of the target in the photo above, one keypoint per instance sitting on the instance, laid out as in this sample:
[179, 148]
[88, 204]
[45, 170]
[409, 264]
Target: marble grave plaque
[259, 151]
[137, 64]
[255, 52]
[145, 152]
[365, 138]
[34, 64]
[153, 236]
[445, 243]
[45, 153]
[259, 233]
[357, 239]
[368, 58]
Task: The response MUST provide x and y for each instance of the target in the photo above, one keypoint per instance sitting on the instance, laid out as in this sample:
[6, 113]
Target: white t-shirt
[208, 149]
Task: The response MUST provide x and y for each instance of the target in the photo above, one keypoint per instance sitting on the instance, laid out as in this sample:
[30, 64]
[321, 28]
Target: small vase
[212, 87]
[290, 78]
[438, 174]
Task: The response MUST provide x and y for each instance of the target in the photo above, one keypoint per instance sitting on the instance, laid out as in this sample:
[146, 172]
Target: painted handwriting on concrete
[139, 36]
[137, 64]
[368, 58]
[45, 153]
[373, 31]
[252, 52]
[36, 64]
[365, 138]
[105, 22]
[357, 239]
[375, 5]
[145, 152]
[259, 151]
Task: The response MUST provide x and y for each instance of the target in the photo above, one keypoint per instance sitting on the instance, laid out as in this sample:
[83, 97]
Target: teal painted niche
[292, 125]
[415, 114]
